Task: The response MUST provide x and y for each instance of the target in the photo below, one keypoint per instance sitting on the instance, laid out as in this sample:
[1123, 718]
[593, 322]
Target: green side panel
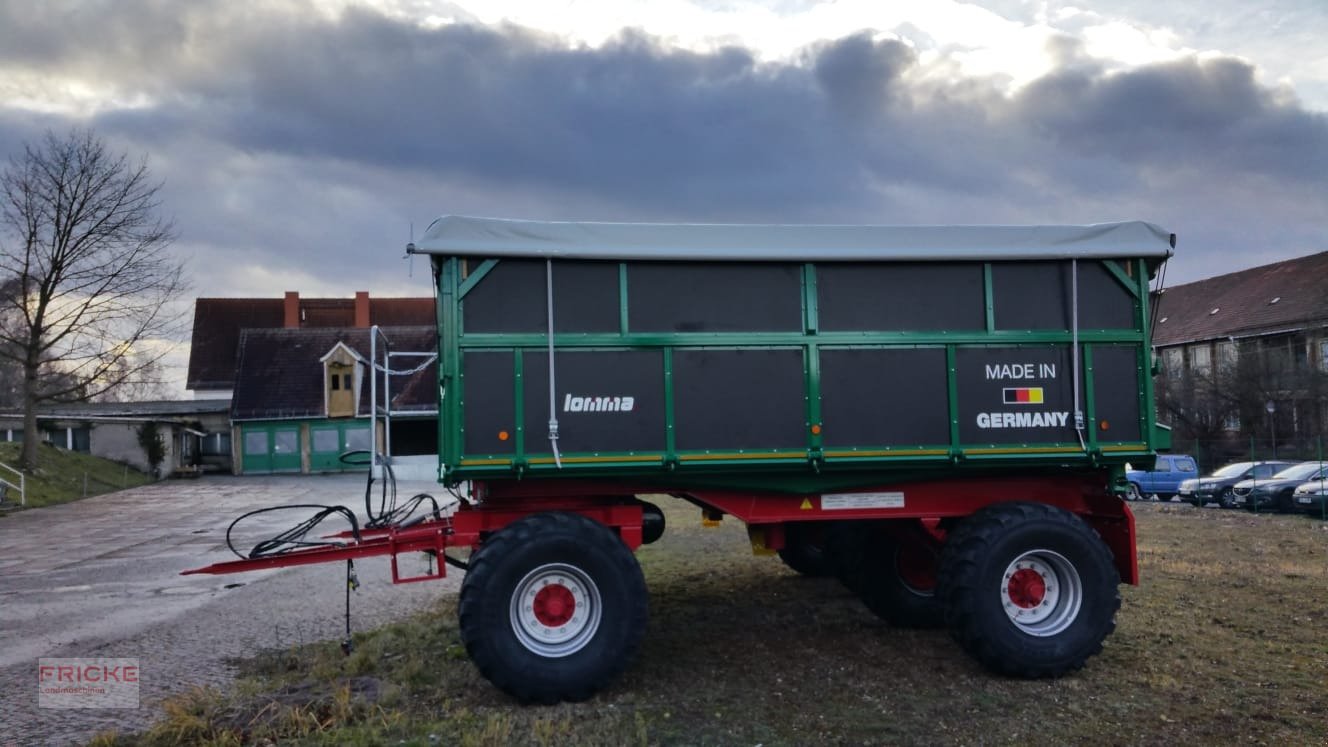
[1006, 401]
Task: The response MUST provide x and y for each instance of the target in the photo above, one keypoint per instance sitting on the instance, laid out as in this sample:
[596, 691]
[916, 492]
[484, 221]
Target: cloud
[302, 144]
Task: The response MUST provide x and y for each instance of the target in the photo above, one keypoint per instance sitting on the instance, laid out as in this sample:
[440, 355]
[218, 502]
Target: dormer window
[341, 383]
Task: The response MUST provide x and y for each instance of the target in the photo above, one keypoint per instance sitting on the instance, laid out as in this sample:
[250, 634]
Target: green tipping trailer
[939, 417]
[794, 358]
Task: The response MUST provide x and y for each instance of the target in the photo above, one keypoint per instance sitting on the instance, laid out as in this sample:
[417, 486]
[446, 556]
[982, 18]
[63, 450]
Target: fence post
[85, 484]
[1323, 500]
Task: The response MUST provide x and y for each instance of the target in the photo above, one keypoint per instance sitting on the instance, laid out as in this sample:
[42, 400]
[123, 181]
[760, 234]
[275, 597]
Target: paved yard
[100, 577]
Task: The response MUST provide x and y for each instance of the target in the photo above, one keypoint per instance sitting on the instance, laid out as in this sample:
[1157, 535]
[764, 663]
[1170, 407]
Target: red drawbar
[917, 505]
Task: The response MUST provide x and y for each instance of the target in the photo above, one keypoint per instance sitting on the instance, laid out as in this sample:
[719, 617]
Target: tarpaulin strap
[553, 390]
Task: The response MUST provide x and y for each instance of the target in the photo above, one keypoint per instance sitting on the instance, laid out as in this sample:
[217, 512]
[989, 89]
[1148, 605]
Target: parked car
[1163, 480]
[1217, 487]
[1275, 492]
[1311, 497]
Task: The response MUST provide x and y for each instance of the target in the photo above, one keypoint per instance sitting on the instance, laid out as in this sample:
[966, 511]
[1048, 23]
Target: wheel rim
[916, 569]
[555, 610]
[1041, 593]
[1134, 492]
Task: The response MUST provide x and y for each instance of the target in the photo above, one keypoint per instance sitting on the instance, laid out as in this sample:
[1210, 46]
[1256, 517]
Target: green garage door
[332, 439]
[271, 448]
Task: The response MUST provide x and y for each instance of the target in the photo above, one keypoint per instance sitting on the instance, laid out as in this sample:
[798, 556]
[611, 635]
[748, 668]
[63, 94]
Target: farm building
[296, 374]
[1245, 356]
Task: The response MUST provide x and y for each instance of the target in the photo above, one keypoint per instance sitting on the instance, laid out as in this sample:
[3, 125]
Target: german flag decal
[1022, 395]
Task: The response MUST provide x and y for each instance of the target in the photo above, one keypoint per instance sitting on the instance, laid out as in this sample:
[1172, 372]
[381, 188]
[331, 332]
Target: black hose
[293, 538]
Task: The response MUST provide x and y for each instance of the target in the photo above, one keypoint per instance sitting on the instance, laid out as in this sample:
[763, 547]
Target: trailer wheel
[845, 549]
[897, 582]
[1132, 493]
[804, 550]
[1029, 590]
[553, 608]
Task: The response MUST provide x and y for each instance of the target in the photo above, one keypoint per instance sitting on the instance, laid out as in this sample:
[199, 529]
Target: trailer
[940, 416]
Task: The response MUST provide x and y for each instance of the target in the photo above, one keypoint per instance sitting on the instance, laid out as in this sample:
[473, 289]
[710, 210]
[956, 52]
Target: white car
[1311, 498]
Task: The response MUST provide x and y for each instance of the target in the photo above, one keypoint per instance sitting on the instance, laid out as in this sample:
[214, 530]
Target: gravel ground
[99, 578]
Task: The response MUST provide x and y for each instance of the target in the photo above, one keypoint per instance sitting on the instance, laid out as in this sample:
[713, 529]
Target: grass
[1225, 641]
[60, 476]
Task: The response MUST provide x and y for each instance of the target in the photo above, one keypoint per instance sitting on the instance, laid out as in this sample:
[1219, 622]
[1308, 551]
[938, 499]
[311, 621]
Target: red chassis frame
[498, 503]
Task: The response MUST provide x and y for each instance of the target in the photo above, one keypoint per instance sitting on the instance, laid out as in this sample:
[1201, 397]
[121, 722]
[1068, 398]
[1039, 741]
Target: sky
[301, 142]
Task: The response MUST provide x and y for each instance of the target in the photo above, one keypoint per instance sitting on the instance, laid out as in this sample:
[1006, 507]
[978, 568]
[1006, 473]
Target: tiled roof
[176, 408]
[1244, 302]
[401, 312]
[218, 322]
[217, 325]
[279, 373]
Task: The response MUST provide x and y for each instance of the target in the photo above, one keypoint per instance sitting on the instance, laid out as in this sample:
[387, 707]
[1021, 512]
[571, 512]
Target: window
[286, 442]
[1226, 356]
[357, 438]
[340, 390]
[1201, 360]
[1231, 422]
[1323, 354]
[215, 444]
[328, 440]
[1171, 361]
[255, 442]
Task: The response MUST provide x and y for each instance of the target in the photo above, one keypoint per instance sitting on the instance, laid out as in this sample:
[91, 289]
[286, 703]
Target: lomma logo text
[573, 403]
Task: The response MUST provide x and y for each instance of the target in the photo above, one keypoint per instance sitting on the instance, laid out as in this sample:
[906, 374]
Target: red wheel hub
[916, 568]
[1026, 589]
[554, 605]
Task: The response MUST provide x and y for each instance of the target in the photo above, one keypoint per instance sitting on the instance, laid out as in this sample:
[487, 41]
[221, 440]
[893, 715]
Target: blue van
[1164, 479]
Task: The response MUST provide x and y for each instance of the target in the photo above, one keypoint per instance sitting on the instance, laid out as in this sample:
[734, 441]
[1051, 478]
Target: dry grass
[1226, 641]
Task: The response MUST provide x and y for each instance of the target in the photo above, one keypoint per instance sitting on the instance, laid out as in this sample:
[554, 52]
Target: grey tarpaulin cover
[499, 237]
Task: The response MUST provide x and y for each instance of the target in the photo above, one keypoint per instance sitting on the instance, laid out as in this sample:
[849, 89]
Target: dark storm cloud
[1181, 113]
[263, 116]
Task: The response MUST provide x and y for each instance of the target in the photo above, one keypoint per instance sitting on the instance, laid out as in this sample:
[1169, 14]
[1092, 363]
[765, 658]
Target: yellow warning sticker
[806, 504]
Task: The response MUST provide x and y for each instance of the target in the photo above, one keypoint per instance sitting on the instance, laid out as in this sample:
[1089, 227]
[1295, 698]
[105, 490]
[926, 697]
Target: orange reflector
[816, 429]
[502, 435]
[1104, 425]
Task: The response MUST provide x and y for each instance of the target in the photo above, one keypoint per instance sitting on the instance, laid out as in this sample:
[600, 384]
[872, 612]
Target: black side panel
[1000, 389]
[855, 296]
[1036, 295]
[1103, 301]
[884, 397]
[739, 399]
[513, 298]
[1031, 295]
[490, 407]
[1116, 392]
[714, 297]
[607, 401]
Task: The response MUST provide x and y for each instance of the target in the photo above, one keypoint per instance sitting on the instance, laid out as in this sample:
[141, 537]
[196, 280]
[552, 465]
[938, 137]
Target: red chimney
[292, 316]
[362, 309]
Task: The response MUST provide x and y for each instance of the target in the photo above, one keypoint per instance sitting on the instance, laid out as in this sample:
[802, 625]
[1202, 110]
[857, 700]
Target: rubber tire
[1132, 493]
[804, 551]
[878, 583]
[500, 564]
[845, 547]
[973, 562]
[1225, 499]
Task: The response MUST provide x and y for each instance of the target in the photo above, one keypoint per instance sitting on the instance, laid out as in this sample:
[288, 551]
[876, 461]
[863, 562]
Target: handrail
[21, 486]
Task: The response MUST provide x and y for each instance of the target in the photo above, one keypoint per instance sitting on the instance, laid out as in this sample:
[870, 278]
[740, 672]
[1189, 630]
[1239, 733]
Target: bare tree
[88, 280]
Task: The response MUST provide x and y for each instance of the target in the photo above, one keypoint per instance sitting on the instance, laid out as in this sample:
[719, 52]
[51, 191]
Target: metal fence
[1212, 454]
